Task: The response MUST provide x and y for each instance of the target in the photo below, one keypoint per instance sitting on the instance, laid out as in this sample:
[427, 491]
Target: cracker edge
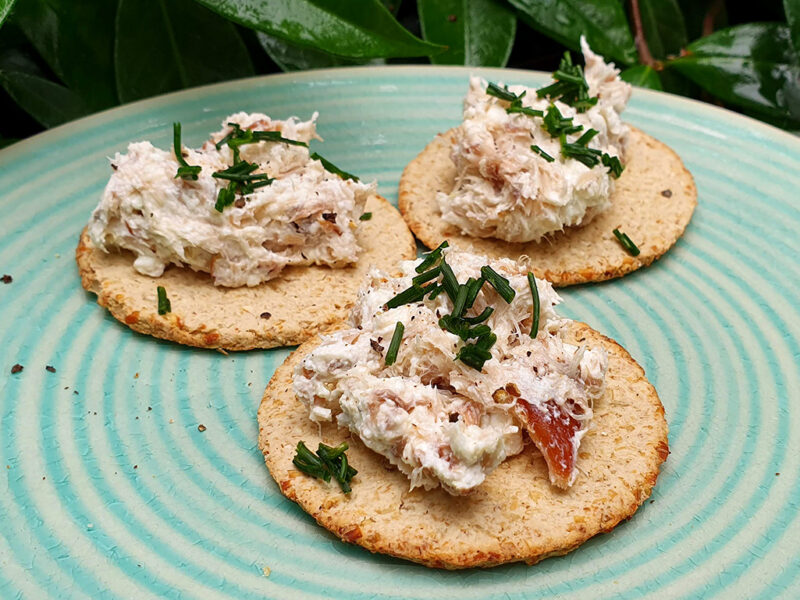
[559, 278]
[170, 327]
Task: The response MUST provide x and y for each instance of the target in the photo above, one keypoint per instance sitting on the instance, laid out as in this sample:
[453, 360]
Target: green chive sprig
[332, 168]
[536, 304]
[185, 170]
[394, 345]
[499, 283]
[557, 124]
[426, 276]
[413, 294]
[501, 92]
[614, 165]
[542, 153]
[164, 305]
[570, 86]
[328, 462]
[365, 217]
[431, 258]
[627, 243]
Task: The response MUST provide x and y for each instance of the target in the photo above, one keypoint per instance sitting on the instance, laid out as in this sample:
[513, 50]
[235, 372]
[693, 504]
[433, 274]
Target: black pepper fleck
[666, 193]
[50, 369]
[454, 417]
[6, 278]
[239, 203]
[376, 346]
[201, 428]
[266, 315]
[329, 217]
[17, 368]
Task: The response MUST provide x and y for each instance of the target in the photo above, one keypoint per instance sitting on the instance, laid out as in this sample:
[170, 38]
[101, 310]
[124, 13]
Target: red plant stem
[639, 38]
[711, 16]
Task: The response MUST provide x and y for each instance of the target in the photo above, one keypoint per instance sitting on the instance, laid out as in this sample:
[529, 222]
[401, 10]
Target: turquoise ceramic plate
[109, 490]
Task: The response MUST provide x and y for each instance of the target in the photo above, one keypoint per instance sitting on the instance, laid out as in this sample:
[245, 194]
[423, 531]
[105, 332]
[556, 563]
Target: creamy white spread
[436, 419]
[505, 190]
[306, 216]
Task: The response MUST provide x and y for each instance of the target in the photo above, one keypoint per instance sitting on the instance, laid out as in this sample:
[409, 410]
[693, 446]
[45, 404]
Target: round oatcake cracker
[653, 201]
[287, 310]
[515, 515]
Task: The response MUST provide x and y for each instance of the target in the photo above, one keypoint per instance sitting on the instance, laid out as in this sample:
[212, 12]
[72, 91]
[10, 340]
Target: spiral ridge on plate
[112, 489]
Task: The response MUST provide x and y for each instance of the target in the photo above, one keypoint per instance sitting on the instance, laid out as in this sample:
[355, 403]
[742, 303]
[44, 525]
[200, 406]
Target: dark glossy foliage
[60, 59]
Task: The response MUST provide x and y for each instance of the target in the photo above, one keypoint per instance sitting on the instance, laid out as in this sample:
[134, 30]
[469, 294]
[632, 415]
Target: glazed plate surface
[110, 489]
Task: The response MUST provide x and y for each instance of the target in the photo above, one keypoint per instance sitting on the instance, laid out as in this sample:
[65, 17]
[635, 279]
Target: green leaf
[664, 28]
[5, 8]
[642, 76]
[603, 22]
[294, 58]
[752, 66]
[46, 101]
[477, 32]
[165, 45]
[76, 40]
[353, 28]
[792, 9]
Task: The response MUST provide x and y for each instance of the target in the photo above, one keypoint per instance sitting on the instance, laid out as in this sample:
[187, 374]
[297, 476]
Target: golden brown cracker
[287, 310]
[515, 515]
[653, 202]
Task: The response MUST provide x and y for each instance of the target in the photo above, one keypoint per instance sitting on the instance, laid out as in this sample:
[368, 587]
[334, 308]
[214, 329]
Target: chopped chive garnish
[525, 110]
[365, 217]
[542, 153]
[487, 312]
[437, 289]
[613, 164]
[626, 242]
[535, 296]
[486, 342]
[461, 299]
[499, 283]
[473, 356]
[449, 281]
[431, 258]
[426, 276]
[413, 294]
[474, 286]
[455, 325]
[501, 92]
[556, 124]
[394, 345]
[570, 86]
[326, 463]
[586, 137]
[164, 305]
[588, 156]
[479, 331]
[332, 168]
[240, 137]
[225, 197]
[185, 170]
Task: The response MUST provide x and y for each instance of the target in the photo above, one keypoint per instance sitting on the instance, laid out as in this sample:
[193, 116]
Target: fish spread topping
[440, 414]
[531, 163]
[248, 203]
